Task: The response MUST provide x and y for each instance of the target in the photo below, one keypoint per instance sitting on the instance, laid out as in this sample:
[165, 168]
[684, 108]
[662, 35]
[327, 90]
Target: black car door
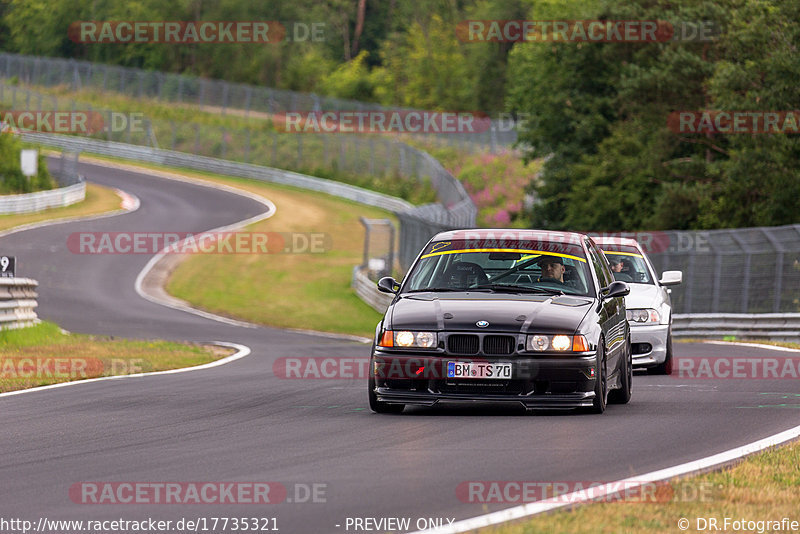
[612, 313]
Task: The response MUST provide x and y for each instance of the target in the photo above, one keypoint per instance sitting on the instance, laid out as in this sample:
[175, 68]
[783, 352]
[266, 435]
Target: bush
[12, 181]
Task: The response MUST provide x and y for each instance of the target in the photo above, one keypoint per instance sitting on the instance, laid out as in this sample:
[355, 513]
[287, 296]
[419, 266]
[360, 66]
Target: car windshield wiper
[519, 289]
[438, 289]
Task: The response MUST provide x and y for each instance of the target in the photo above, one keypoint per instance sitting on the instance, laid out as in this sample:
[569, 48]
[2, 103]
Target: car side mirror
[671, 278]
[615, 289]
[387, 284]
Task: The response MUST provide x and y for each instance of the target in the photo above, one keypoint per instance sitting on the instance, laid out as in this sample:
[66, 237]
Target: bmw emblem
[482, 324]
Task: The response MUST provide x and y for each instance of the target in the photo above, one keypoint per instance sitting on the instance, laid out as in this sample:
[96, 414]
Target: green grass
[306, 291]
[765, 486]
[250, 139]
[43, 354]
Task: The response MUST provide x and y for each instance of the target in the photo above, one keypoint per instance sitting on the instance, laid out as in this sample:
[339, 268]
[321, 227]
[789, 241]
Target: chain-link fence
[742, 270]
[374, 162]
[226, 97]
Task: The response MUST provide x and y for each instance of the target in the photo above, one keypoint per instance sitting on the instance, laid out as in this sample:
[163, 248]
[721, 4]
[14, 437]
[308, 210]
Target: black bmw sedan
[503, 316]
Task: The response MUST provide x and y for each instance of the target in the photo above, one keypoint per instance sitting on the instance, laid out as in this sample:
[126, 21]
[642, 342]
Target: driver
[552, 269]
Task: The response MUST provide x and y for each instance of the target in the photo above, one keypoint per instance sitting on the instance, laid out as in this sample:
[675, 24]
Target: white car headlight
[643, 316]
[408, 339]
[559, 343]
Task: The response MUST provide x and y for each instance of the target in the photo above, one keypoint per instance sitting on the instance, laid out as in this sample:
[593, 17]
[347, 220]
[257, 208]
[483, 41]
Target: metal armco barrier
[774, 326]
[17, 303]
[42, 200]
[421, 223]
[368, 291]
[220, 166]
[73, 190]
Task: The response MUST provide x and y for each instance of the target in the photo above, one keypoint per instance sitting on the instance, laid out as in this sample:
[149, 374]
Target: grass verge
[765, 486]
[368, 161]
[43, 354]
[98, 200]
[307, 290]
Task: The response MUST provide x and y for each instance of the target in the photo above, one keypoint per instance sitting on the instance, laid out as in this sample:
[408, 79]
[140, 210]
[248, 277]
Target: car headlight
[557, 343]
[643, 316]
[408, 339]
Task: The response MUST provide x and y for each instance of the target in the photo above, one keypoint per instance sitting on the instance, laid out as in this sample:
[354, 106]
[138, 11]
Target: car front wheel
[666, 367]
[600, 385]
[623, 394]
[381, 407]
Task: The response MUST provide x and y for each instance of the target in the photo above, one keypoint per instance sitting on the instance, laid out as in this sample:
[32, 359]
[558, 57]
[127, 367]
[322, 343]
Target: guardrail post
[778, 282]
[746, 282]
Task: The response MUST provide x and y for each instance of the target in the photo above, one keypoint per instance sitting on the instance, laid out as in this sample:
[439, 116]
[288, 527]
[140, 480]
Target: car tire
[600, 383]
[623, 394]
[666, 367]
[381, 407]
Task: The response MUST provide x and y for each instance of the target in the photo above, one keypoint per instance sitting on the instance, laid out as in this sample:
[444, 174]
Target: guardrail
[42, 200]
[220, 166]
[416, 228]
[17, 303]
[368, 291]
[774, 326]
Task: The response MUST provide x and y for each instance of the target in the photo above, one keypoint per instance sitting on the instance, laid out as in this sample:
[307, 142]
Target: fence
[742, 270]
[17, 302]
[226, 96]
[72, 190]
[773, 326]
[381, 163]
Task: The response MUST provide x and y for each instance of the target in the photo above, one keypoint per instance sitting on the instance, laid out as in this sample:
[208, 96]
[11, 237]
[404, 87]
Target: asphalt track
[239, 422]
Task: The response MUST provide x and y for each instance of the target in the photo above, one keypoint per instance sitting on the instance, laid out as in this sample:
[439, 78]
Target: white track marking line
[129, 203]
[580, 497]
[758, 345]
[241, 352]
[271, 210]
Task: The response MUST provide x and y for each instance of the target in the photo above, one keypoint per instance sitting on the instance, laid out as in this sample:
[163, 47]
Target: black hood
[504, 313]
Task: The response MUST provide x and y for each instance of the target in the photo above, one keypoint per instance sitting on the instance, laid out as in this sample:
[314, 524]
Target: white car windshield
[628, 264]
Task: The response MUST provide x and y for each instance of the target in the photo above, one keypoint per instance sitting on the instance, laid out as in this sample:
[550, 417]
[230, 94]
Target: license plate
[496, 371]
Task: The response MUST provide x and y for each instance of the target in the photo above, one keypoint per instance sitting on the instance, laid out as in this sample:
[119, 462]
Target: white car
[649, 307]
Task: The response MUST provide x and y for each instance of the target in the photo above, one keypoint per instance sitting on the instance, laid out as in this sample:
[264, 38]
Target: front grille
[462, 344]
[498, 345]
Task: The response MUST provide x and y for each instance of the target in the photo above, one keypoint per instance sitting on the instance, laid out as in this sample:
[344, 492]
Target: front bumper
[649, 344]
[536, 382]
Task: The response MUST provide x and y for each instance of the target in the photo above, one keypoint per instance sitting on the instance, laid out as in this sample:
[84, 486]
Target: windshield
[521, 266]
[628, 264]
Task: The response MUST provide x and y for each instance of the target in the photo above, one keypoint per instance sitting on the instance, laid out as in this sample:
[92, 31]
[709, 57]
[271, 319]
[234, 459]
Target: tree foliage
[601, 111]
